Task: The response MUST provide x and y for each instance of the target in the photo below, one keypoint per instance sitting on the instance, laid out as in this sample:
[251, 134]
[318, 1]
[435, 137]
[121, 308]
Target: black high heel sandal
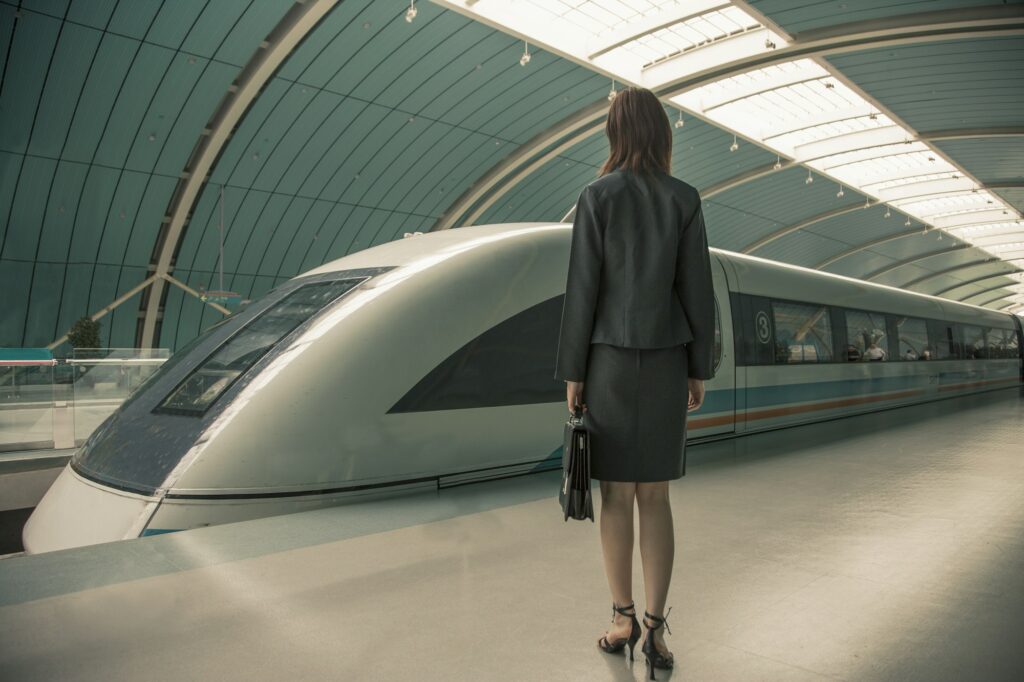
[655, 658]
[611, 647]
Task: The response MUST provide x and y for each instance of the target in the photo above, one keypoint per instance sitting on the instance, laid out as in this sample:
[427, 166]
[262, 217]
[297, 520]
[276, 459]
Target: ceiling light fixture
[525, 59]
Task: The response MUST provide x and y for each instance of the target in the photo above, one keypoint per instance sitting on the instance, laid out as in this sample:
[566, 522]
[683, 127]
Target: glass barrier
[26, 405]
[102, 378]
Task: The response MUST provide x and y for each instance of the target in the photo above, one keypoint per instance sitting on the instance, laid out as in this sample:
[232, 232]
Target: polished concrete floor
[881, 547]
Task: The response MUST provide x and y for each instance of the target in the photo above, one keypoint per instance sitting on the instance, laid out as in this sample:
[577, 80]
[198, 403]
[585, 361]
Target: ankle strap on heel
[623, 609]
[659, 621]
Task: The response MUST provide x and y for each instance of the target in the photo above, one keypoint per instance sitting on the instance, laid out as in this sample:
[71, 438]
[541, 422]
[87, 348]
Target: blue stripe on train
[770, 396]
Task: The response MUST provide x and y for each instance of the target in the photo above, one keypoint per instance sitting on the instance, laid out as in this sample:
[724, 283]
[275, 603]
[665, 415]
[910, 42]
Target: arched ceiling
[357, 126]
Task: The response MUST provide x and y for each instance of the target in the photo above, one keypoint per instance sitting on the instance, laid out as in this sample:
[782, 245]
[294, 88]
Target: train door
[718, 414]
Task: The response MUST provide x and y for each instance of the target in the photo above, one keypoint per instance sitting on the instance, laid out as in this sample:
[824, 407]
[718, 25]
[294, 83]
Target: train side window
[866, 336]
[940, 340]
[996, 342]
[803, 332]
[913, 339]
[1012, 343]
[974, 342]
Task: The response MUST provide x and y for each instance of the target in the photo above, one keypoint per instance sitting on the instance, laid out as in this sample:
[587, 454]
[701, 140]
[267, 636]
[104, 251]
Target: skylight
[641, 42]
[802, 111]
[799, 109]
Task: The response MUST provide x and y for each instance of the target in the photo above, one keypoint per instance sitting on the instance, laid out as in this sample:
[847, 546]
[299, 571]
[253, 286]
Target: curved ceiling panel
[102, 104]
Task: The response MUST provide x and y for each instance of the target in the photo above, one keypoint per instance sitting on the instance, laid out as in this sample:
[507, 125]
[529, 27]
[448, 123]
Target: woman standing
[637, 328]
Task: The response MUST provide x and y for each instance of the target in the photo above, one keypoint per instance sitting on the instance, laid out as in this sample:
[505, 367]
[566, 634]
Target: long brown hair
[639, 134]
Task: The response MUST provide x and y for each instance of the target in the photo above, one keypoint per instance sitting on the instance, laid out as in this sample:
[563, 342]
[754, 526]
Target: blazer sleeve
[585, 256]
[695, 290]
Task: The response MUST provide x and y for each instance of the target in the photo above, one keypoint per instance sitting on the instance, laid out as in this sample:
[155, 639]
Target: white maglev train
[428, 362]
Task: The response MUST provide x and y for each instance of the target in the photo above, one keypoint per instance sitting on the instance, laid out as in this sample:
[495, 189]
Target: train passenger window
[974, 342]
[803, 333]
[913, 339]
[208, 381]
[941, 340]
[1012, 343]
[866, 336]
[996, 342]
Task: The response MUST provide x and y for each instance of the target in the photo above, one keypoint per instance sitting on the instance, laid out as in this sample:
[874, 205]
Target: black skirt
[636, 412]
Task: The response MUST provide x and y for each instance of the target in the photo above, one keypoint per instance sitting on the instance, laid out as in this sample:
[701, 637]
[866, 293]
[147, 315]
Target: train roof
[753, 275]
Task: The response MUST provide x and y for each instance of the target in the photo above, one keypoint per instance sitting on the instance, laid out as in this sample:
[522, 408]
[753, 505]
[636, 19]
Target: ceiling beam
[983, 292]
[919, 257]
[946, 271]
[971, 133]
[300, 19]
[975, 280]
[768, 238]
[867, 245]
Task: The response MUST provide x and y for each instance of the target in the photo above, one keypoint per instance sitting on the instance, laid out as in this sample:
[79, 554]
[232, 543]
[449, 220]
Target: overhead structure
[803, 109]
[337, 125]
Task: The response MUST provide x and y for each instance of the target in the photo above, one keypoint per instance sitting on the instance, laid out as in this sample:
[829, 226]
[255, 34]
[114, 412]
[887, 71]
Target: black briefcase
[574, 495]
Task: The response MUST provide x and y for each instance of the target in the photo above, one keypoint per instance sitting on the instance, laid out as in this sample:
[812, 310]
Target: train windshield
[207, 382]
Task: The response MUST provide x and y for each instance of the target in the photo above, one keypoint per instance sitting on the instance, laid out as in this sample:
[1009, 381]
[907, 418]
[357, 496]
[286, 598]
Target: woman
[637, 329]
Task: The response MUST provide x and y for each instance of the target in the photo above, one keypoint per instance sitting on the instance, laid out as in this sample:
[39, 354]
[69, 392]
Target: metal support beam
[946, 271]
[296, 24]
[789, 229]
[909, 261]
[985, 291]
[970, 133]
[940, 292]
[867, 245]
[109, 307]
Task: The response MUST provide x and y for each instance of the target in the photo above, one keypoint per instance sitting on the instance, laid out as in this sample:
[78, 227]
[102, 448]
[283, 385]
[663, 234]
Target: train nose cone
[76, 512]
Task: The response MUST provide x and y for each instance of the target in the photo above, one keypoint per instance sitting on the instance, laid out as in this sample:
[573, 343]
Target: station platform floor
[880, 547]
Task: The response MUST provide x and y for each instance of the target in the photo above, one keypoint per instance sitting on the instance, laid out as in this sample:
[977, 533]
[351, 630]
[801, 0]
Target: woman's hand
[696, 388]
[574, 395]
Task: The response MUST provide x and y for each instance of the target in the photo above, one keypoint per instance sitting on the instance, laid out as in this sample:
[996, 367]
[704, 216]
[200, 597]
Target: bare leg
[617, 545]
[657, 548]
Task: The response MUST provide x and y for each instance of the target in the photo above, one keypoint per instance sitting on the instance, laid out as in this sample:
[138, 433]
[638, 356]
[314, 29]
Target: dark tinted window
[940, 340]
[512, 363]
[213, 376]
[803, 332]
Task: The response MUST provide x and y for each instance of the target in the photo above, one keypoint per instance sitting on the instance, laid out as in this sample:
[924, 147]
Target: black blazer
[639, 273]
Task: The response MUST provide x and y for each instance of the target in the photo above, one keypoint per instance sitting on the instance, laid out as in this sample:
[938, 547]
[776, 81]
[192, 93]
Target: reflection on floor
[882, 547]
